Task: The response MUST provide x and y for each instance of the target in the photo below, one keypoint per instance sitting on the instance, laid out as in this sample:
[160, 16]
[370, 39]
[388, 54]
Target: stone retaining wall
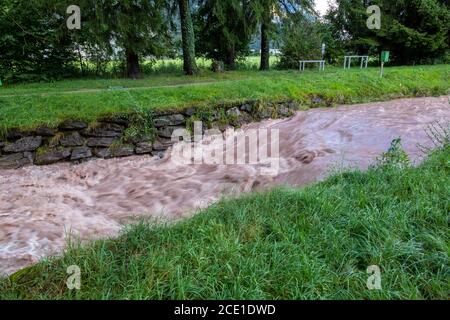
[78, 141]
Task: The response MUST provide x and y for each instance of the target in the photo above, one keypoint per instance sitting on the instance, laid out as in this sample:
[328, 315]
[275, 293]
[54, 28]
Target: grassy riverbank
[31, 105]
[310, 243]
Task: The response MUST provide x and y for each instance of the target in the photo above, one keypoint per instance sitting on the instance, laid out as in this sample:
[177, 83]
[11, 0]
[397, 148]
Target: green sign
[385, 56]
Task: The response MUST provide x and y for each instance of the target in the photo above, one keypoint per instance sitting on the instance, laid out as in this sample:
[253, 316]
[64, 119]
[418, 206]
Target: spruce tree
[226, 27]
[138, 28]
[415, 31]
[266, 11]
[188, 37]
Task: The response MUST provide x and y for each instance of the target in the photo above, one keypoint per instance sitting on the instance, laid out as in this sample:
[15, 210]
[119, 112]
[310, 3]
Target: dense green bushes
[415, 31]
[117, 36]
[302, 40]
[33, 44]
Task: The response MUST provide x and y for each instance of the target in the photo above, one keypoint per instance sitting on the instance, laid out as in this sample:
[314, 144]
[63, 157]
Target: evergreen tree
[188, 37]
[267, 11]
[139, 28]
[34, 42]
[225, 28]
[415, 31]
[302, 39]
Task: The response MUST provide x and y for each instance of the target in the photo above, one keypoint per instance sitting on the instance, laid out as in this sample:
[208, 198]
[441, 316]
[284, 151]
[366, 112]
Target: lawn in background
[31, 105]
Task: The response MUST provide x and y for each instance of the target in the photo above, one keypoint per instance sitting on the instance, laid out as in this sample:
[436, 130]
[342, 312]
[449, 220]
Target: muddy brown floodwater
[41, 206]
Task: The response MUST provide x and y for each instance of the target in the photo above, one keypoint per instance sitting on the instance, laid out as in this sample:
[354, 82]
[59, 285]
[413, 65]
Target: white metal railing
[304, 62]
[348, 61]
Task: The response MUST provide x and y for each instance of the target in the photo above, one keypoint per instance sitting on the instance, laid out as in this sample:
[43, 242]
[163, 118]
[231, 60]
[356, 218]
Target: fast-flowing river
[41, 206]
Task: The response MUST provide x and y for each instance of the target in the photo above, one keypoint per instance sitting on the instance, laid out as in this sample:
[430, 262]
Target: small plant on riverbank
[395, 157]
[141, 123]
[439, 134]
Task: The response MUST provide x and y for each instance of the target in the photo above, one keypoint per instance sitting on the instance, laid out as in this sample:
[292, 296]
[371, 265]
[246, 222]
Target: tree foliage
[415, 31]
[135, 28]
[35, 43]
[302, 40]
[269, 13]
[188, 37]
[224, 29]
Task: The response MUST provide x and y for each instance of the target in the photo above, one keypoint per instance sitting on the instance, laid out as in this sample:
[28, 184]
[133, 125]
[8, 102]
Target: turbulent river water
[41, 206]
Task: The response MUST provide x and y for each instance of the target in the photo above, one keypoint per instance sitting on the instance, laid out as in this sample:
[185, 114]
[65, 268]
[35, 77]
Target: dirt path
[119, 88]
[39, 206]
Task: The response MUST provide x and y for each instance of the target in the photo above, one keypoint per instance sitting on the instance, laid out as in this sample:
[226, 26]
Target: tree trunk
[231, 58]
[133, 68]
[187, 34]
[81, 61]
[265, 48]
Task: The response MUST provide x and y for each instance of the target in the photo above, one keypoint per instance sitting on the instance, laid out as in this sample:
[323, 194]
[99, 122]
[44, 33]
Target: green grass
[168, 72]
[30, 105]
[310, 243]
[166, 66]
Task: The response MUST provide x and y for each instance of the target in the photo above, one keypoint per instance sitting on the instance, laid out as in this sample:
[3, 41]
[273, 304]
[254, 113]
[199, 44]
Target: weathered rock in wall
[24, 144]
[52, 156]
[78, 141]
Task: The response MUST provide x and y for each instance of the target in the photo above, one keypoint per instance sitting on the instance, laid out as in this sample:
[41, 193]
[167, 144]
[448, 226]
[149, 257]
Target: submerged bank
[41, 206]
